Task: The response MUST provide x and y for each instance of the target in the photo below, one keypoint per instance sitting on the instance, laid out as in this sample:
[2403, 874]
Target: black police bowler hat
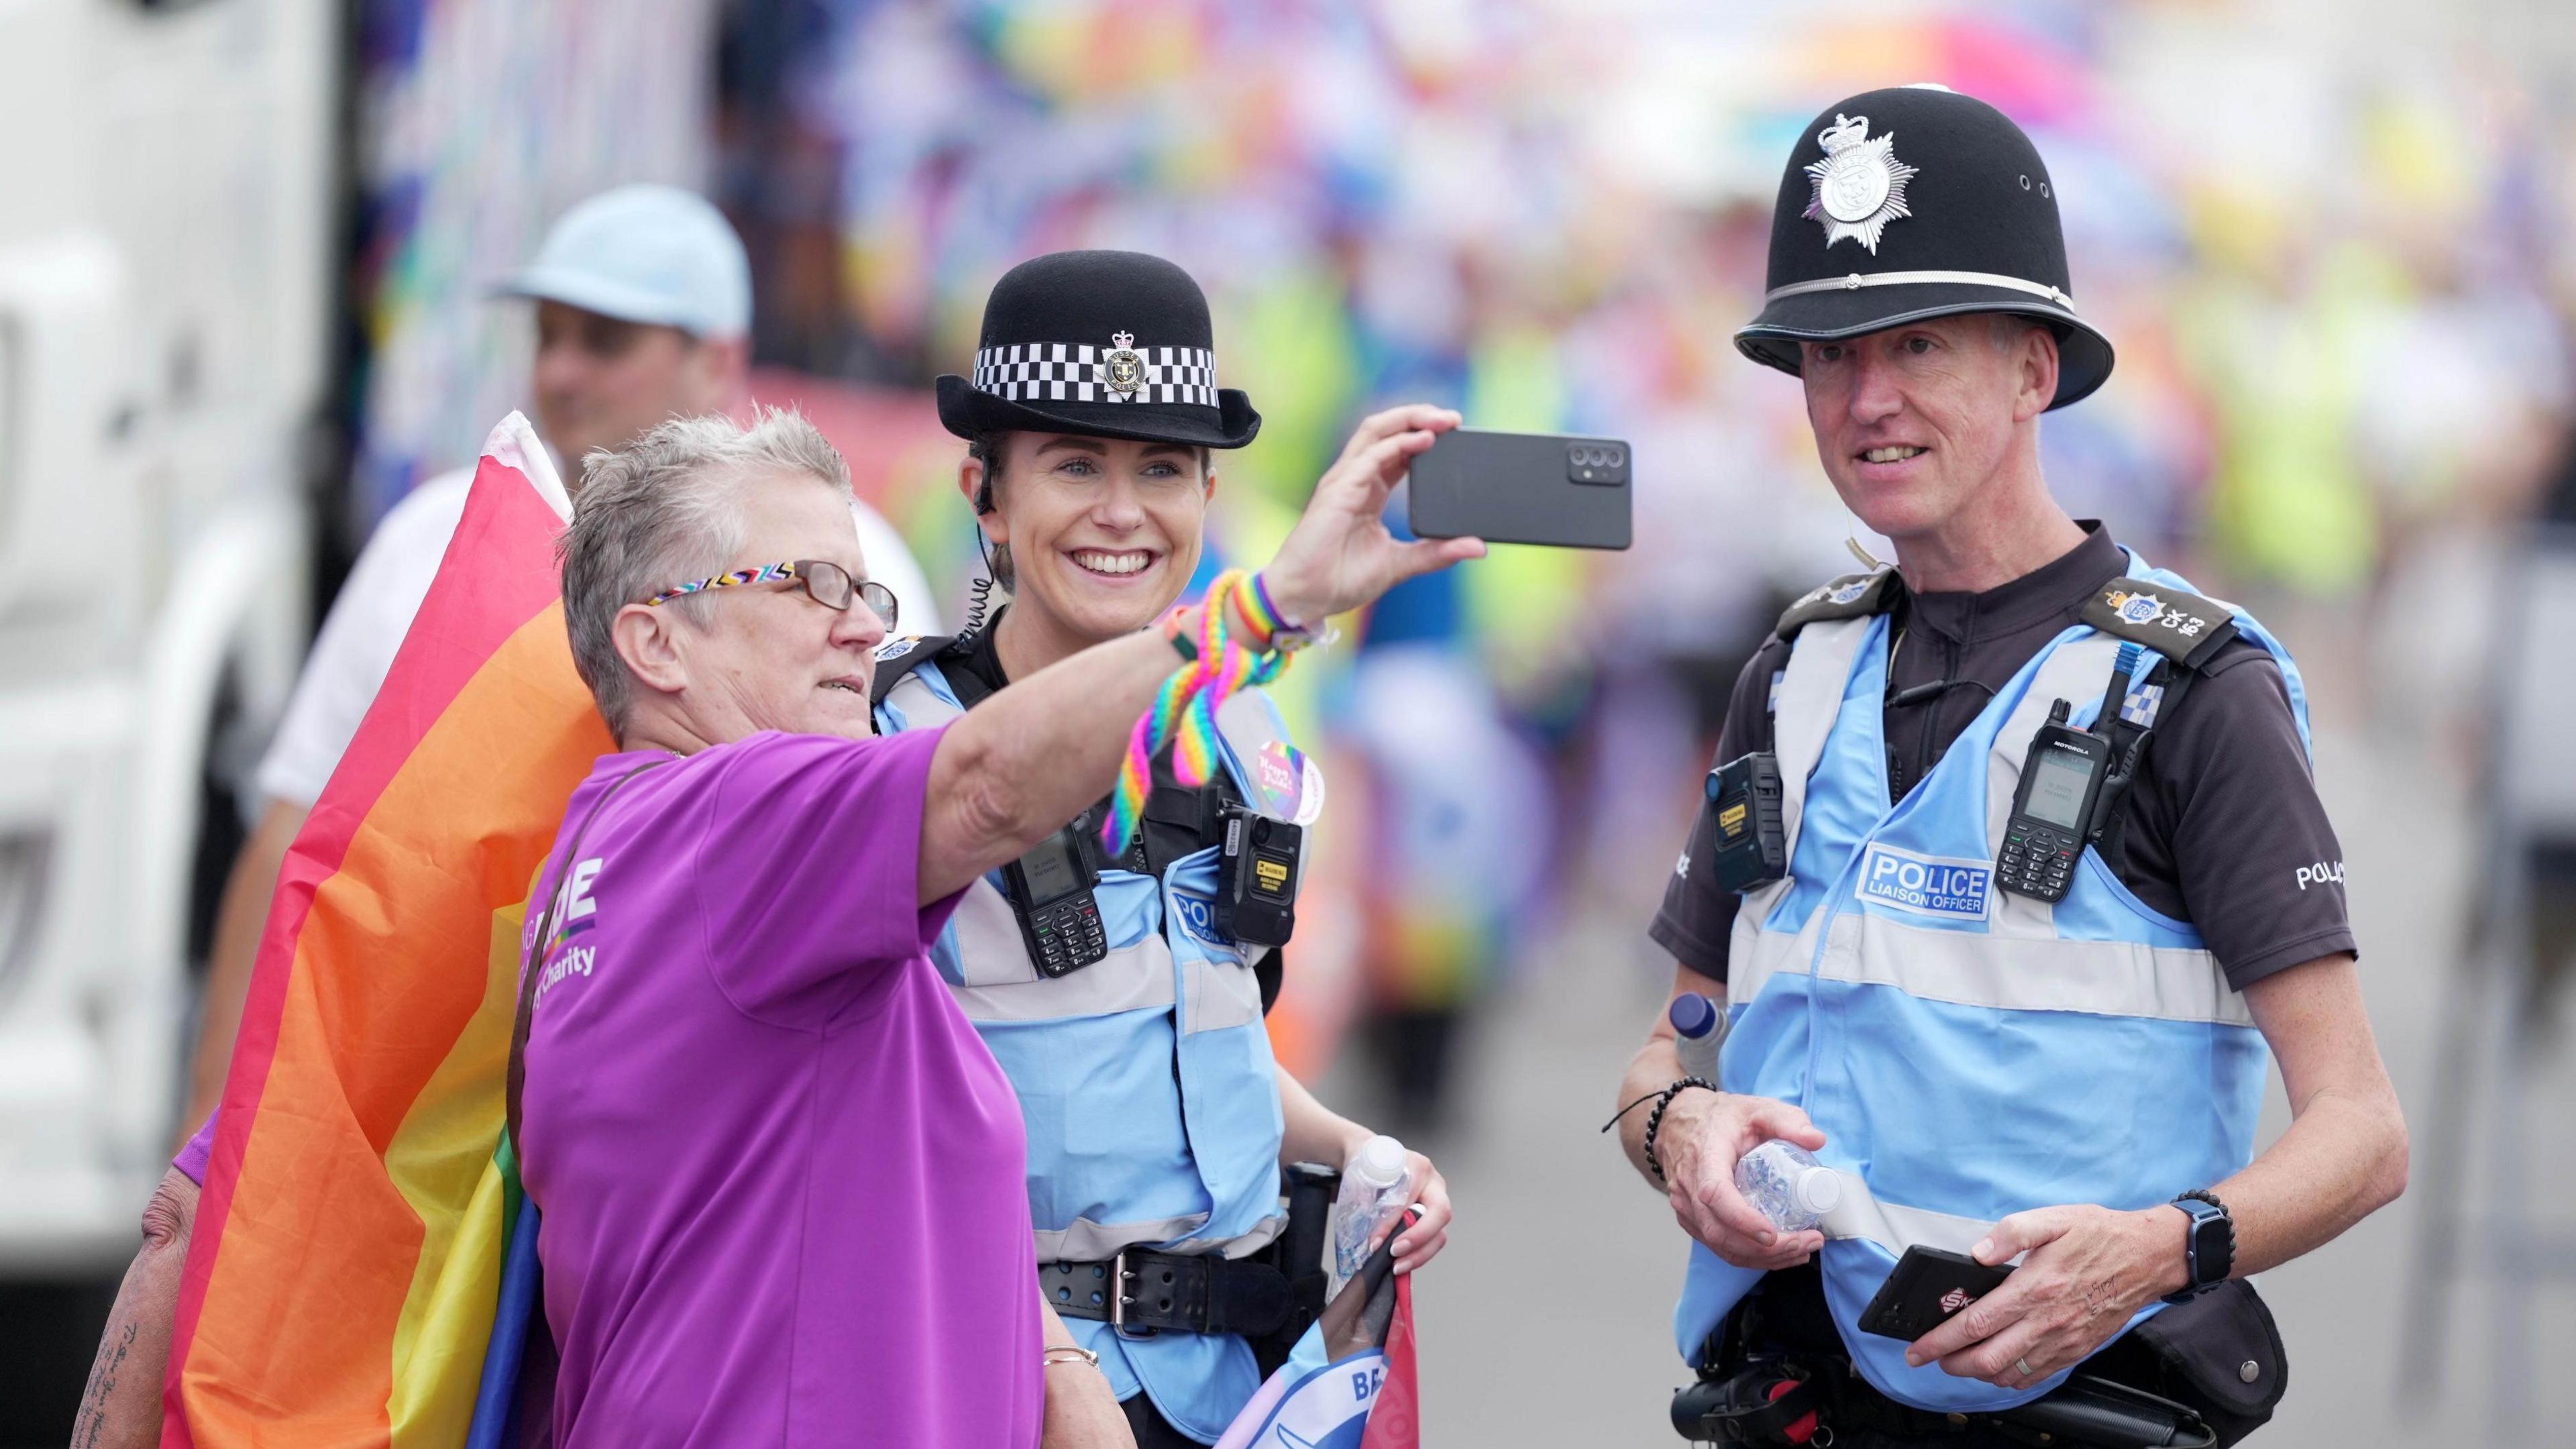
[1108, 344]
[1917, 202]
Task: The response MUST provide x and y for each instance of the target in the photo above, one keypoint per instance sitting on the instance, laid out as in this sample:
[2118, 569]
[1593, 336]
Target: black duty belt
[1141, 1293]
[1788, 1400]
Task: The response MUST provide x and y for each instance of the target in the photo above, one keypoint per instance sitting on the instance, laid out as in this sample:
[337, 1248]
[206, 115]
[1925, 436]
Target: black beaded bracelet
[1655, 1117]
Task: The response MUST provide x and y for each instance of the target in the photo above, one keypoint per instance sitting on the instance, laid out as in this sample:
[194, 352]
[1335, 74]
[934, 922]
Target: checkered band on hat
[1079, 372]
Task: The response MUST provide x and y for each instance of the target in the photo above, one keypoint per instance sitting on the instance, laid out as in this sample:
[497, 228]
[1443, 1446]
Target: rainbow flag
[347, 1256]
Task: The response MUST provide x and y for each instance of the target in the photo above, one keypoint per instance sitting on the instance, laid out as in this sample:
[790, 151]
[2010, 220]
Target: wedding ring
[2022, 1366]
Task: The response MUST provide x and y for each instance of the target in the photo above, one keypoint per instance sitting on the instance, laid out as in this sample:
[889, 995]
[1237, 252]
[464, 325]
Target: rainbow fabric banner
[347, 1254]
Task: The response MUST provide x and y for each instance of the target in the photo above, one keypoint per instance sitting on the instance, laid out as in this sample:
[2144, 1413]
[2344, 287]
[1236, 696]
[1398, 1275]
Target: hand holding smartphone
[1928, 1286]
[1537, 488]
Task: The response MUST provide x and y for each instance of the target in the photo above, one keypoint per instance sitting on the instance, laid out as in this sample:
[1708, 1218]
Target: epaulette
[1853, 596]
[905, 653]
[2185, 628]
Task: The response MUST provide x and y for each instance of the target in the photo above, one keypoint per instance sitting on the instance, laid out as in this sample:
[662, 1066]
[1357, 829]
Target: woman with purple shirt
[781, 1176]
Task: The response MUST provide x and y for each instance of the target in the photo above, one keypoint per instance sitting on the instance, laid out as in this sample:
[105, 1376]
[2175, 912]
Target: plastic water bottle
[1699, 1029]
[1786, 1184]
[1372, 1192]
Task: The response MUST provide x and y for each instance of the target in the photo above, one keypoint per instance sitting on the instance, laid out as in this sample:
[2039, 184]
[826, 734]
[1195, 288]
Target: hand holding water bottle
[1704, 1136]
[1786, 1184]
[1380, 1179]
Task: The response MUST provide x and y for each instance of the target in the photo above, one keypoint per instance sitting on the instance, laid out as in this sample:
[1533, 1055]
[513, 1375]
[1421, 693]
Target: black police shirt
[2225, 829]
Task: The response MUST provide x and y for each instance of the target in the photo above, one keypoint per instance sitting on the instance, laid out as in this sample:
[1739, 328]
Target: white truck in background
[167, 265]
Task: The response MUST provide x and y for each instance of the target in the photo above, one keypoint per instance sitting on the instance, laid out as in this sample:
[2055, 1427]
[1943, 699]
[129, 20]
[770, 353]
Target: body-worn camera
[1050, 890]
[1256, 877]
[1749, 845]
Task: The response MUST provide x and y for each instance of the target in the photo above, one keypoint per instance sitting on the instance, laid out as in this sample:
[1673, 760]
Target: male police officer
[2006, 1041]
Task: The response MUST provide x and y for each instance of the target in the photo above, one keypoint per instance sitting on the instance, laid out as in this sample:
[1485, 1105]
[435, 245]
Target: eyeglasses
[827, 584]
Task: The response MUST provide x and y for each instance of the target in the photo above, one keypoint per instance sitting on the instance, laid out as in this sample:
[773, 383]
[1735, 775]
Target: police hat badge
[1121, 370]
[1860, 185]
[1966, 222]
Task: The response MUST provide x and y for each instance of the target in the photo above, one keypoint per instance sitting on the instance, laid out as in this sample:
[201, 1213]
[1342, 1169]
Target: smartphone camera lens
[1611, 457]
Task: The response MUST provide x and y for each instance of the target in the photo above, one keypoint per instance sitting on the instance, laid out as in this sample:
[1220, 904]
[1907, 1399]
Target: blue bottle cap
[1693, 1015]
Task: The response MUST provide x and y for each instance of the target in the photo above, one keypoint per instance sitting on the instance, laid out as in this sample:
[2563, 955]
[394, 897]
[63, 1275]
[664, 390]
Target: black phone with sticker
[1522, 488]
[1927, 1288]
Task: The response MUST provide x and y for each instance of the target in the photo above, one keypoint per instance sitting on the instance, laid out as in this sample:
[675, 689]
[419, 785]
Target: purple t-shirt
[781, 1176]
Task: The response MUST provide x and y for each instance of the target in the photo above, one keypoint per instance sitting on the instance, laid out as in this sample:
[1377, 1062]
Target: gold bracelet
[1053, 1356]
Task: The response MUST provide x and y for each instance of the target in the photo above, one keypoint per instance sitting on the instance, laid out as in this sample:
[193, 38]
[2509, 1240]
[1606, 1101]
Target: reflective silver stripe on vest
[2104, 978]
[1811, 694]
[1755, 955]
[1222, 993]
[1855, 281]
[1087, 1242]
[1003, 984]
[1896, 1228]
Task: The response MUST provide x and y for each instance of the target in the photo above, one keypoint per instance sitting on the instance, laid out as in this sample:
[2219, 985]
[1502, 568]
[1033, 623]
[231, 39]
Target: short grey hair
[662, 510]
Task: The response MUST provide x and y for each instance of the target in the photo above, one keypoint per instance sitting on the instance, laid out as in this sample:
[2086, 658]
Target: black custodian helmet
[1916, 202]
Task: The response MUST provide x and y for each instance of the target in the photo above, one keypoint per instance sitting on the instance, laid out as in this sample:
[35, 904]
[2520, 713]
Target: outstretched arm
[1031, 757]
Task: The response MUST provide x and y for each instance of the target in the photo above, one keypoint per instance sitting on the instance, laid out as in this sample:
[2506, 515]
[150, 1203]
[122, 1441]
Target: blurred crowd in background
[2325, 238]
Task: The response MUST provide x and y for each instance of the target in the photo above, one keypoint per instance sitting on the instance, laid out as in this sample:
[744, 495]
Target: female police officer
[1124, 996]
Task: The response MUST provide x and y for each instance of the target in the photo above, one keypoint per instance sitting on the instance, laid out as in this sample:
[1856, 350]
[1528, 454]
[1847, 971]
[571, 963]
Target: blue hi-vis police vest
[1145, 1079]
[1967, 1053]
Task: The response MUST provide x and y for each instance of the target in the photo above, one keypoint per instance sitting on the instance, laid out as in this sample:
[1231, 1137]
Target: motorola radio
[1051, 893]
[2061, 779]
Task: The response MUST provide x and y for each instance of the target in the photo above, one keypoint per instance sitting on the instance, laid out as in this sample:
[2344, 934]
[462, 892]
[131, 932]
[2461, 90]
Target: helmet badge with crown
[1122, 370]
[1860, 185]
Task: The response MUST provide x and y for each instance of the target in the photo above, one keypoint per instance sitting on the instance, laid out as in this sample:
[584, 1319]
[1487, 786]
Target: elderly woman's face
[771, 658]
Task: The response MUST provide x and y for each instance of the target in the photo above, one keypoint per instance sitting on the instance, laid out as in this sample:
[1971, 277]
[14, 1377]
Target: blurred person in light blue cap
[643, 313]
[643, 300]
[652, 254]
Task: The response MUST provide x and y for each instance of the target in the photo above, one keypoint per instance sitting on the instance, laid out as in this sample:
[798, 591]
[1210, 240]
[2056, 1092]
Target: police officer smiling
[1124, 1002]
[2023, 1019]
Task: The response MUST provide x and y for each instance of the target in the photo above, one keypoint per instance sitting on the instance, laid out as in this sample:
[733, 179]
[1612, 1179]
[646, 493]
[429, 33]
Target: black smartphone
[1929, 1285]
[1522, 488]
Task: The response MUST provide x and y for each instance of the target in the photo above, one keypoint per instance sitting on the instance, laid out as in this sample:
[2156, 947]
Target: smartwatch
[2208, 1244]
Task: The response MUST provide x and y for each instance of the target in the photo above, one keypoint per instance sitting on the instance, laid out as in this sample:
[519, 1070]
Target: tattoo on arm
[102, 1386]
